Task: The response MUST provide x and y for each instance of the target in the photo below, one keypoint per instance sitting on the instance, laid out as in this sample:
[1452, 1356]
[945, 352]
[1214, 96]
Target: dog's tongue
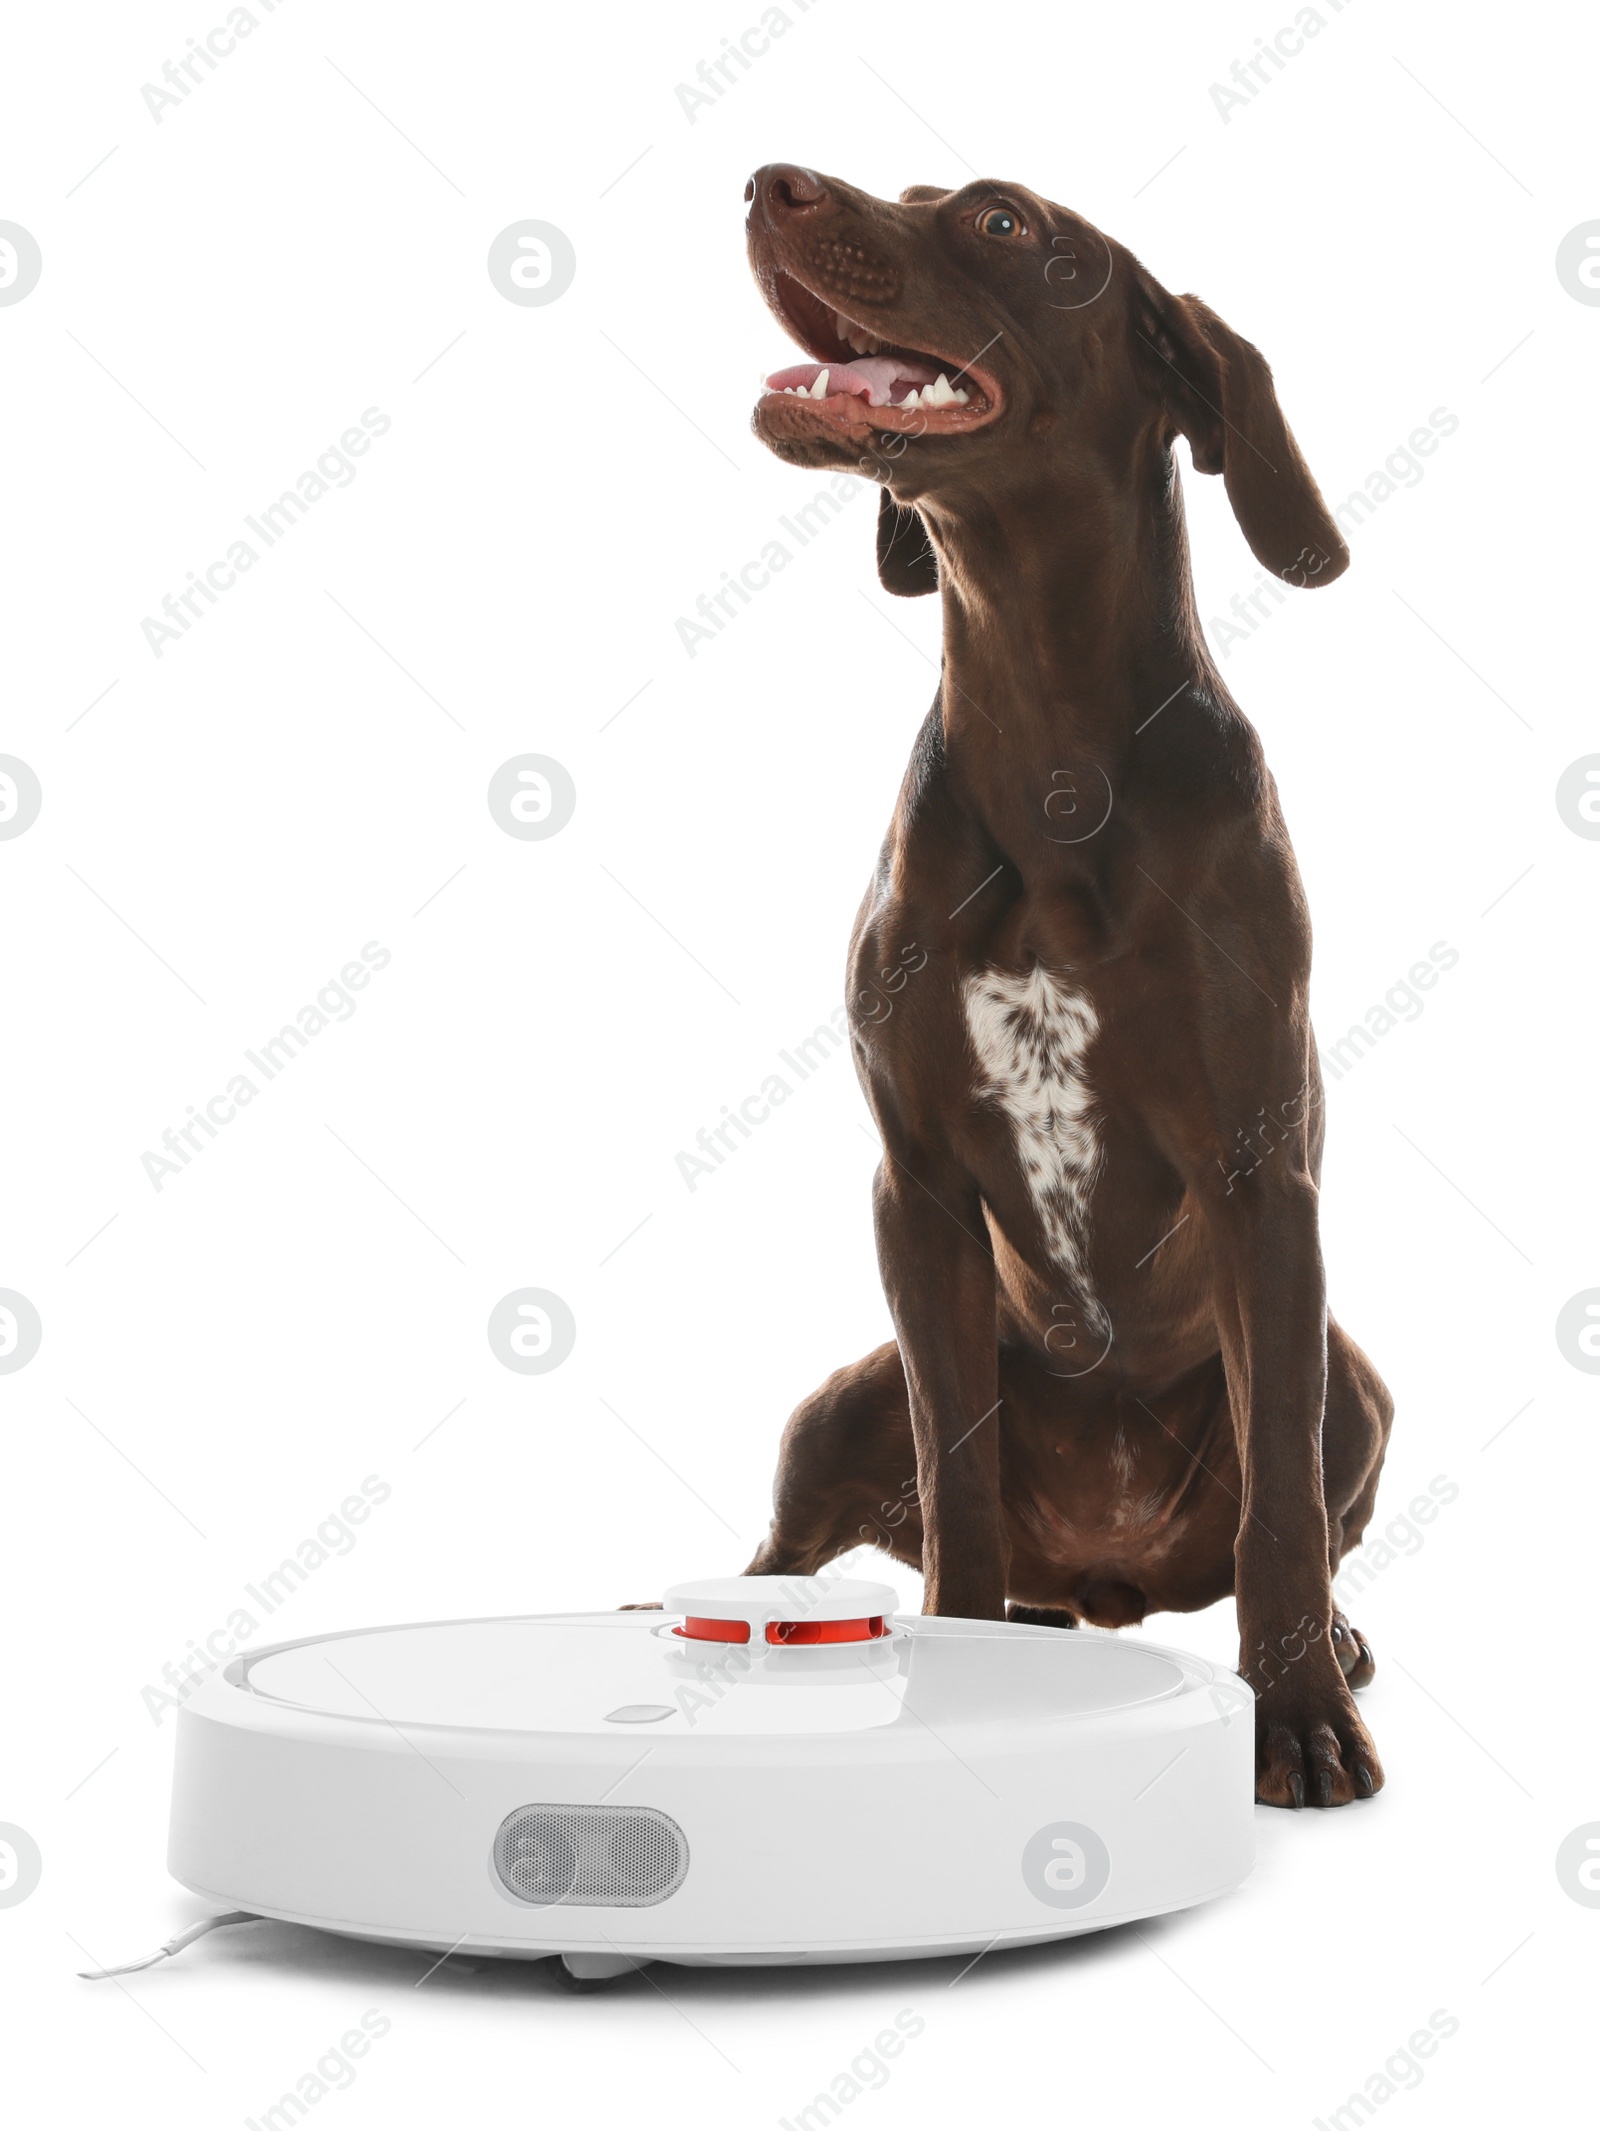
[881, 380]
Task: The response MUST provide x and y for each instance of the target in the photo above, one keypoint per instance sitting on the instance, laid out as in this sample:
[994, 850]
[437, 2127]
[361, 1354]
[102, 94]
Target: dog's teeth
[912, 399]
[819, 390]
[961, 397]
[855, 337]
[940, 393]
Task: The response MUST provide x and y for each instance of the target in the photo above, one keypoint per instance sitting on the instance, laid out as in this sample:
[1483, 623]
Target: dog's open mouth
[859, 381]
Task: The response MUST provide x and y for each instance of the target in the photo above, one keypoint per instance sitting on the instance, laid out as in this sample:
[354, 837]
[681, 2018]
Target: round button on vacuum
[640, 1713]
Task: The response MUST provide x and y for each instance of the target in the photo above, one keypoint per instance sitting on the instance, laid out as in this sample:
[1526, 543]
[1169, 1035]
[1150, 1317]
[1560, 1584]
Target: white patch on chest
[1031, 1034]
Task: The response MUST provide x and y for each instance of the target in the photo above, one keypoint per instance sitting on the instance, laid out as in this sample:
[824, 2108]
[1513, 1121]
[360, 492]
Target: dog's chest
[1031, 1035]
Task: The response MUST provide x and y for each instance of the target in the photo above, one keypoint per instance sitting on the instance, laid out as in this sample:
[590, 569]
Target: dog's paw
[1354, 1653]
[1313, 1751]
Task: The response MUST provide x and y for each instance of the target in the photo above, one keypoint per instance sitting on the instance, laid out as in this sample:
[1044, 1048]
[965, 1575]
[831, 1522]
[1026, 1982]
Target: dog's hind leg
[1355, 1435]
[847, 1473]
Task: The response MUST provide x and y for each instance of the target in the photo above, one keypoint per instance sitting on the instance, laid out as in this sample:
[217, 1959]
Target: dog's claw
[1297, 1790]
[1364, 1782]
[1324, 1787]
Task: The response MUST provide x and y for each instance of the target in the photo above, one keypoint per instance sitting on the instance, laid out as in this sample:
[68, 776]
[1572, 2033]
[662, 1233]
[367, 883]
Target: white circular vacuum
[773, 1769]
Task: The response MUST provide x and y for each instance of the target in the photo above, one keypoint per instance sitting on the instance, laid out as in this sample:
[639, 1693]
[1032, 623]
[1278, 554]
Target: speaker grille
[590, 1856]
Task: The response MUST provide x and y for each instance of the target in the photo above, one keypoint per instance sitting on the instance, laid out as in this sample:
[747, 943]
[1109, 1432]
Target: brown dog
[1079, 976]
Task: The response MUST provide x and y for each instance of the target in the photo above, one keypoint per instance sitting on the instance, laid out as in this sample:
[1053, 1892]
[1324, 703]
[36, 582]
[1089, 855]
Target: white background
[305, 771]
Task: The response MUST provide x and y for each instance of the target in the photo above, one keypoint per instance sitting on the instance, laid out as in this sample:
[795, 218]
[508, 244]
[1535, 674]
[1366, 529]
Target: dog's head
[981, 341]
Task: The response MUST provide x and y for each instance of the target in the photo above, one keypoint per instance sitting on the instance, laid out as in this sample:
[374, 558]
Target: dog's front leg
[1311, 1746]
[938, 1276]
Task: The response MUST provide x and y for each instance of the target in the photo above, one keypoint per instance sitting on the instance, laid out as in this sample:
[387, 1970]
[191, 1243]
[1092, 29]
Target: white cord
[174, 1945]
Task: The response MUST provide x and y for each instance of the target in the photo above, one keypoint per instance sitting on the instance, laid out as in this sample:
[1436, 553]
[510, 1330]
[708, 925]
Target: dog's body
[1079, 975]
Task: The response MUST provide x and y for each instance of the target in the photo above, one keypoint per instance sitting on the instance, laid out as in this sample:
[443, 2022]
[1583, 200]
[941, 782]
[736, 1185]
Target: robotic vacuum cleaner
[769, 1770]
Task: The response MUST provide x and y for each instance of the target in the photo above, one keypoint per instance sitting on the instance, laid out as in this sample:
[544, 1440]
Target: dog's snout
[785, 189]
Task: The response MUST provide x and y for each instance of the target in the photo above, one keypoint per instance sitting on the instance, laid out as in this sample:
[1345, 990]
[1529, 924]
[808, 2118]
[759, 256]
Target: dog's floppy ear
[907, 566]
[1218, 390]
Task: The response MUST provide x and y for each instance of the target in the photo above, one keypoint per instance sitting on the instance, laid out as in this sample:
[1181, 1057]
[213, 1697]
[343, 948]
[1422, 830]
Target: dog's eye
[1000, 222]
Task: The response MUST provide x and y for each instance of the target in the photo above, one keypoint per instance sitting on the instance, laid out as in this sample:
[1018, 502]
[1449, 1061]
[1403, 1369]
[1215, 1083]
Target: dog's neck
[1069, 612]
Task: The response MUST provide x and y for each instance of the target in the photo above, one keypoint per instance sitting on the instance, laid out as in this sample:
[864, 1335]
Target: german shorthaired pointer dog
[1079, 975]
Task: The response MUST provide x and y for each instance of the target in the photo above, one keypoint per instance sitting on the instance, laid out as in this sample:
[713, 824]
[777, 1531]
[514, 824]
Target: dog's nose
[785, 189]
